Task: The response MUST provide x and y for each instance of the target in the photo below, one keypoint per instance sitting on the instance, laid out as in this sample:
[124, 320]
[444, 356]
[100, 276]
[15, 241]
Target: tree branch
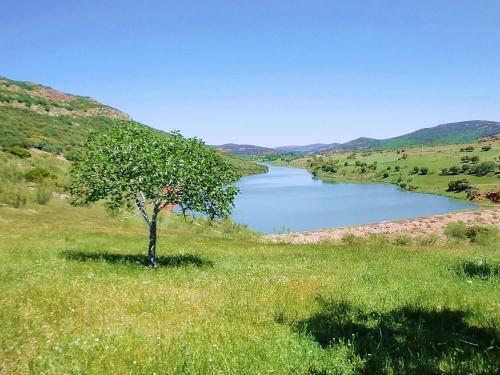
[140, 201]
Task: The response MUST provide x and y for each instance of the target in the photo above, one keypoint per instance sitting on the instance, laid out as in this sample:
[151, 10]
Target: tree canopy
[131, 165]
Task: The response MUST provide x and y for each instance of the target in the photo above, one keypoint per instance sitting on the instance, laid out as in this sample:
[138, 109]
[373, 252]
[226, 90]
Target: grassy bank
[76, 298]
[416, 169]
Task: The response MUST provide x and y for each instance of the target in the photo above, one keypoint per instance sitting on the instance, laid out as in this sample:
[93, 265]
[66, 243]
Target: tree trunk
[152, 244]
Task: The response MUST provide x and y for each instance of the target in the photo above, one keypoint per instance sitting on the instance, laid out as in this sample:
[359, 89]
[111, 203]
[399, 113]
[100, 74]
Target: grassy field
[397, 167]
[76, 298]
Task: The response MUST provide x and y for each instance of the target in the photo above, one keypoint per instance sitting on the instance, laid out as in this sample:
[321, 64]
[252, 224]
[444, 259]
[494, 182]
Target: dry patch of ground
[417, 228]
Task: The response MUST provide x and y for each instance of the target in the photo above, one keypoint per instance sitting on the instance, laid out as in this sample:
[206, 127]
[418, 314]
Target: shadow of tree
[163, 261]
[408, 340]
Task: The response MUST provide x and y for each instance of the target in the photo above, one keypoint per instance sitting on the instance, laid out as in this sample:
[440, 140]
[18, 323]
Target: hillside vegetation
[36, 116]
[472, 170]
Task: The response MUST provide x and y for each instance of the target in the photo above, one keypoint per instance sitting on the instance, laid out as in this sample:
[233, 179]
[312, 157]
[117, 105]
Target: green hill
[37, 116]
[452, 133]
[237, 149]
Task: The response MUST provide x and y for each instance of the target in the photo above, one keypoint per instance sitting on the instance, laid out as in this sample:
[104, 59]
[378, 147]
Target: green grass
[77, 298]
[435, 158]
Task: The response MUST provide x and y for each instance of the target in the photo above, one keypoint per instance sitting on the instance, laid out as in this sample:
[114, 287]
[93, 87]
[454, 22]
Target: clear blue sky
[265, 72]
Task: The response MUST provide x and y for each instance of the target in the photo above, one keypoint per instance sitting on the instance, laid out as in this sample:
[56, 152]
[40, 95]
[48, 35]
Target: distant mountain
[237, 149]
[452, 133]
[315, 147]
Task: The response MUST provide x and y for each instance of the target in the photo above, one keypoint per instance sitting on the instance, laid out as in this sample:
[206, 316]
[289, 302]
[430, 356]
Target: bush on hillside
[486, 148]
[403, 240]
[18, 151]
[43, 194]
[466, 168]
[467, 149]
[454, 170]
[474, 233]
[458, 186]
[483, 168]
[38, 174]
[424, 171]
[13, 195]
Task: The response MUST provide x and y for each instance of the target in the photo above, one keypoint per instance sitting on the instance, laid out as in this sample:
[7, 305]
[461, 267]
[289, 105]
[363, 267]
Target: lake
[291, 199]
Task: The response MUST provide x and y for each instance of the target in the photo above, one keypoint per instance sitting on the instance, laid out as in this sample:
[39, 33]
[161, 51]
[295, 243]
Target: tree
[129, 166]
[459, 185]
[483, 168]
[454, 170]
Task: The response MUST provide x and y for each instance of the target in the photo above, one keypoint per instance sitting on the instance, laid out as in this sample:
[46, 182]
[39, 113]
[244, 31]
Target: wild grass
[76, 297]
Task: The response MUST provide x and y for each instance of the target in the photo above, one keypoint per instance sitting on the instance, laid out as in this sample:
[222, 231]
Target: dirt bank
[419, 227]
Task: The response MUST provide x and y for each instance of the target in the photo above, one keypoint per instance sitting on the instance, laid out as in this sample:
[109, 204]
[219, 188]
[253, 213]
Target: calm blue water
[291, 199]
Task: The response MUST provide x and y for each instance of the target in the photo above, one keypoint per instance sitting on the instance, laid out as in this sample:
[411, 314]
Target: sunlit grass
[77, 298]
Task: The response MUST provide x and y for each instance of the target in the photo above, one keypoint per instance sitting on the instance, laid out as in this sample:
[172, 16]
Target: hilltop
[451, 133]
[237, 149]
[39, 117]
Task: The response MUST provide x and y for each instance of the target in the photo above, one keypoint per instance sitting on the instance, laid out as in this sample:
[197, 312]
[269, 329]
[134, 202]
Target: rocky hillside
[39, 117]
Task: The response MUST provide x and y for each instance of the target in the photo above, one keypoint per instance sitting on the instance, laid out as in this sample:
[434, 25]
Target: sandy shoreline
[417, 228]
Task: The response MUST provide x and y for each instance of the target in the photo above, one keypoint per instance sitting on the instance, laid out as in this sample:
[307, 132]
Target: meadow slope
[77, 298]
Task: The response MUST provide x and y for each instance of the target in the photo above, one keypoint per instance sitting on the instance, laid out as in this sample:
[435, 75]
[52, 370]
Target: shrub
[480, 234]
[424, 171]
[474, 159]
[403, 240]
[486, 148]
[472, 192]
[429, 240]
[351, 239]
[465, 168]
[38, 174]
[467, 149]
[483, 168]
[72, 155]
[453, 170]
[475, 233]
[18, 151]
[456, 230]
[385, 175]
[415, 170]
[43, 194]
[444, 172]
[459, 185]
[397, 168]
[13, 196]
